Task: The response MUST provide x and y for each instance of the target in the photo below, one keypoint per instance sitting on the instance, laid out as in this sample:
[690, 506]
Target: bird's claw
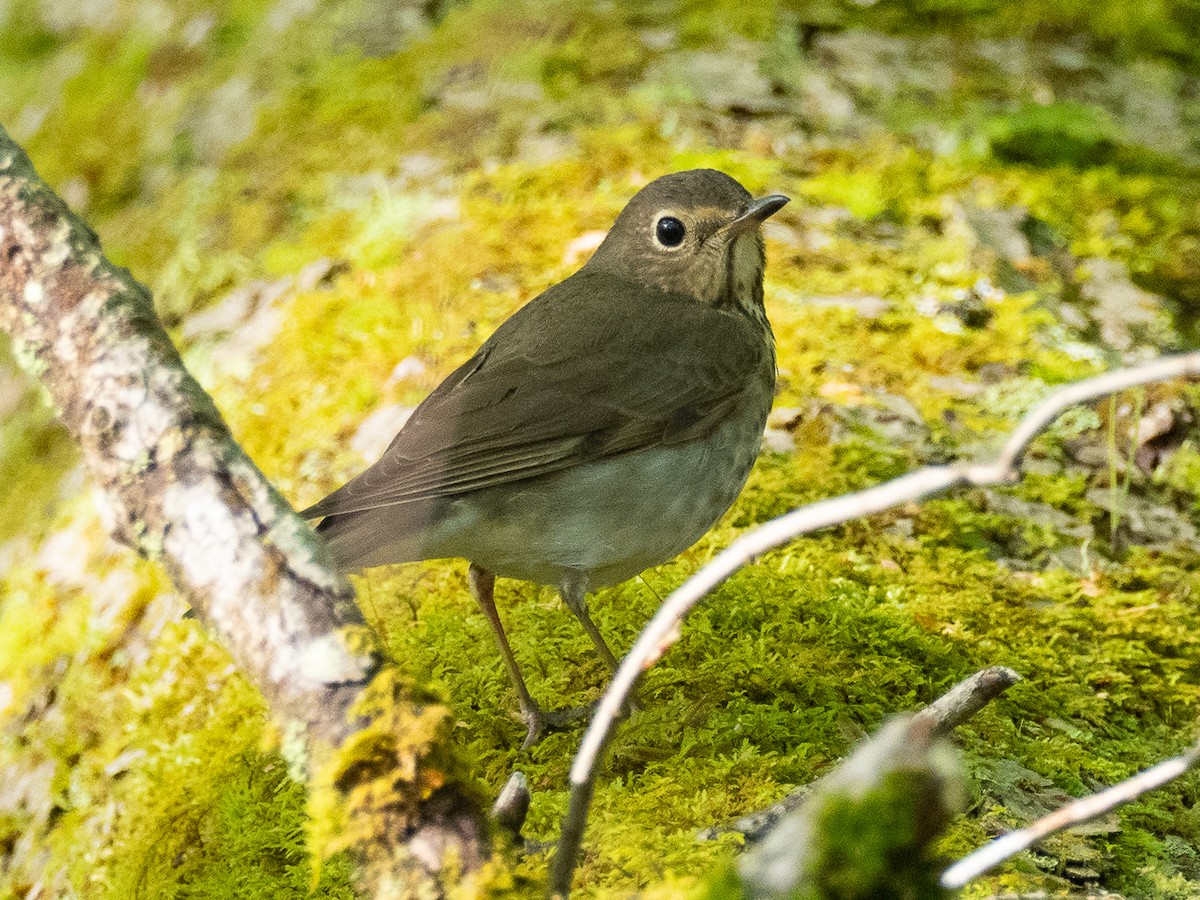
[540, 723]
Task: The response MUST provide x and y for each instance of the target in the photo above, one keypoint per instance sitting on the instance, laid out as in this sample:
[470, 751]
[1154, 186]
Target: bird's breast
[610, 518]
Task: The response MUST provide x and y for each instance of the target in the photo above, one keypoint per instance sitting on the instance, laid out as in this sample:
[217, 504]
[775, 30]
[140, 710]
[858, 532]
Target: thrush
[601, 430]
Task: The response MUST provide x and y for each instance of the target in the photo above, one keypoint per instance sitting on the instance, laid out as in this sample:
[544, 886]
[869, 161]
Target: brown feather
[567, 380]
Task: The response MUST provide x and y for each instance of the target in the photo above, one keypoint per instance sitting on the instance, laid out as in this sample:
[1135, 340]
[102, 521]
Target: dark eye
[670, 231]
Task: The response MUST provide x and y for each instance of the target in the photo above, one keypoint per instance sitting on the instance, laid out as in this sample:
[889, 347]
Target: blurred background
[335, 203]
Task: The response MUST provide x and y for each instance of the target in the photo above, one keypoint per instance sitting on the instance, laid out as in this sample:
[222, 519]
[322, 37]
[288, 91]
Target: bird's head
[694, 233]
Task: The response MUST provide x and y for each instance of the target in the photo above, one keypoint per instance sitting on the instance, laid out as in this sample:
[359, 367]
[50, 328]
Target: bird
[601, 430]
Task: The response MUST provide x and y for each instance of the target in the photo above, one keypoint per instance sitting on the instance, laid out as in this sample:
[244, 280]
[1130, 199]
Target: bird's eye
[669, 231]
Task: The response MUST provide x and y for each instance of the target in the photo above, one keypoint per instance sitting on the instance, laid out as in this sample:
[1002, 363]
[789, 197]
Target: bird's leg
[483, 584]
[573, 589]
[574, 593]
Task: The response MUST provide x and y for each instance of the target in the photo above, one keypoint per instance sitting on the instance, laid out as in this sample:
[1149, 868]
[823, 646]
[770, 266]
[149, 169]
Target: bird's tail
[377, 537]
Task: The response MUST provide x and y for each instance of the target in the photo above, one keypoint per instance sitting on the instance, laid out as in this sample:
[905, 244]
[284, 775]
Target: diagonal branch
[1082, 810]
[907, 767]
[966, 698]
[663, 629]
[179, 489]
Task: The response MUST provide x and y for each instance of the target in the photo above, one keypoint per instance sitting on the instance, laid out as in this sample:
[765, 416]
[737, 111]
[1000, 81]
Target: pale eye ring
[670, 231]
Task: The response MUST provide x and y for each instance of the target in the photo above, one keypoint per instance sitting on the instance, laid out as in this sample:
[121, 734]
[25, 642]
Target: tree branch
[663, 629]
[179, 489]
[866, 829]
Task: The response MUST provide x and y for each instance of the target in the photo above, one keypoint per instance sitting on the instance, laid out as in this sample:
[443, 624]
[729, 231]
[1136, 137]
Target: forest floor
[334, 204]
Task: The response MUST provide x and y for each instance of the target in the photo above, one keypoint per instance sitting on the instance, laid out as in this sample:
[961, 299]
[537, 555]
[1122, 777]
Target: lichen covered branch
[177, 487]
[174, 484]
[866, 829]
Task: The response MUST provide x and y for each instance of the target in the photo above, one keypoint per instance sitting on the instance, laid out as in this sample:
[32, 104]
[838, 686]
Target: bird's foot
[541, 722]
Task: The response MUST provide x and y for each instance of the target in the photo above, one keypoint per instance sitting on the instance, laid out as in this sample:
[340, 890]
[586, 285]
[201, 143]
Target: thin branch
[663, 629]
[967, 697]
[1083, 810]
[178, 488]
[512, 806]
[1167, 368]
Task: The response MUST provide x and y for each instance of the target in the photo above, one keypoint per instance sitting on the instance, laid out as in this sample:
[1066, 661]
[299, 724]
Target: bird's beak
[758, 211]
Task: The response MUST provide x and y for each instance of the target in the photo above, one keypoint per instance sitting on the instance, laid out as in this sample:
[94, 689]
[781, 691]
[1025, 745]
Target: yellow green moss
[371, 788]
[149, 739]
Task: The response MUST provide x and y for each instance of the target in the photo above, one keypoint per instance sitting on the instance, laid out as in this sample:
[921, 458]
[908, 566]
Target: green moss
[373, 785]
[150, 743]
[872, 845]
[35, 454]
[1048, 135]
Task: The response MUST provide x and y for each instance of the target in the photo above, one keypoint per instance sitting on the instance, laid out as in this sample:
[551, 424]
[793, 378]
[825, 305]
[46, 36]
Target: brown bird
[601, 430]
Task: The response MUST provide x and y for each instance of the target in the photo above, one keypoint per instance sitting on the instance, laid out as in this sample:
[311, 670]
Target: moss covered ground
[335, 203]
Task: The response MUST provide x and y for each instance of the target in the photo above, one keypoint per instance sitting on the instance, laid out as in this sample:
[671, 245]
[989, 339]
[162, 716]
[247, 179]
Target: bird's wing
[585, 371]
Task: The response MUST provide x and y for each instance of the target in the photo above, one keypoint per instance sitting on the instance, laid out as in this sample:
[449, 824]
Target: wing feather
[565, 380]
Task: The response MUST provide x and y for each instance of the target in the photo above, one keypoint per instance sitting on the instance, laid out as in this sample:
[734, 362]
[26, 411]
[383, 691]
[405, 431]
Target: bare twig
[663, 629]
[1082, 810]
[968, 697]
